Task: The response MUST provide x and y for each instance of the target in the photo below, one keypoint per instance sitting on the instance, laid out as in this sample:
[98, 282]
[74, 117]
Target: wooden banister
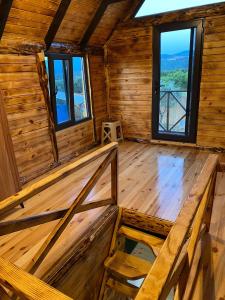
[60, 227]
[21, 283]
[157, 283]
[25, 285]
[13, 201]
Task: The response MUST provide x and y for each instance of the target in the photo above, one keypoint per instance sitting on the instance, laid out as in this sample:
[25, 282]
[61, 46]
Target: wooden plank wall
[211, 125]
[98, 86]
[9, 177]
[74, 140]
[28, 118]
[27, 115]
[130, 71]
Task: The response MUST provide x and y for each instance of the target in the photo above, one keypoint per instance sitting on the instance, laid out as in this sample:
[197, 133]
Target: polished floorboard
[153, 179]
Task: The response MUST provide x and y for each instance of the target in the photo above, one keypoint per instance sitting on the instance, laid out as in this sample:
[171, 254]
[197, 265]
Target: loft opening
[154, 7]
[69, 89]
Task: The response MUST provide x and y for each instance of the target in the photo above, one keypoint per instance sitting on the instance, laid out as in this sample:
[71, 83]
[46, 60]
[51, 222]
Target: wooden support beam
[31, 221]
[5, 6]
[60, 14]
[95, 21]
[43, 78]
[138, 5]
[145, 222]
[9, 175]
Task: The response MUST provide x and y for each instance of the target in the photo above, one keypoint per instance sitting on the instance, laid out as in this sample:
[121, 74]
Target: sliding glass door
[176, 78]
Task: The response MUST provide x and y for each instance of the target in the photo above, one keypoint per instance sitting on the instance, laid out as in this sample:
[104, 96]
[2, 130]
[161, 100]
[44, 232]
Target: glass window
[80, 96]
[62, 95]
[68, 87]
[152, 7]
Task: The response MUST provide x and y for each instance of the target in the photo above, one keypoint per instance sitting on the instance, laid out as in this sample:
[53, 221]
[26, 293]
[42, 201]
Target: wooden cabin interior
[112, 149]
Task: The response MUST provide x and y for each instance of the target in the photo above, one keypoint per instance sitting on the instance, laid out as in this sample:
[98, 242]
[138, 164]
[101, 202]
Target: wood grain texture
[27, 114]
[76, 20]
[129, 66]
[9, 176]
[98, 87]
[26, 285]
[30, 20]
[48, 181]
[154, 286]
[82, 277]
[75, 140]
[74, 208]
[114, 13]
[145, 173]
[210, 280]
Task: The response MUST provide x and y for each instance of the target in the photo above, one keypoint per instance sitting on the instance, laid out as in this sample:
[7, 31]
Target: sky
[175, 41]
[151, 7]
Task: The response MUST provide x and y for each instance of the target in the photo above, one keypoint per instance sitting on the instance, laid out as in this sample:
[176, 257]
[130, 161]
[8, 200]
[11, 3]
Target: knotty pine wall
[98, 86]
[27, 114]
[28, 117]
[130, 76]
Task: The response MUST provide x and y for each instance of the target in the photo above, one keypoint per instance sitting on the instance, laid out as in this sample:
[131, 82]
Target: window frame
[68, 57]
[194, 85]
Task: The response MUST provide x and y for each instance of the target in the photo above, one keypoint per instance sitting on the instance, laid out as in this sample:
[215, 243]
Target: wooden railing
[176, 264]
[19, 282]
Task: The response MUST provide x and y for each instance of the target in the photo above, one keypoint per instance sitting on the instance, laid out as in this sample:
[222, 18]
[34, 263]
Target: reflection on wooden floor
[153, 179]
[157, 179]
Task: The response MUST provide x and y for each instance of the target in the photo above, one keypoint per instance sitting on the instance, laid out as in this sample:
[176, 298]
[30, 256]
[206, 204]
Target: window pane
[80, 96]
[152, 7]
[174, 72]
[62, 95]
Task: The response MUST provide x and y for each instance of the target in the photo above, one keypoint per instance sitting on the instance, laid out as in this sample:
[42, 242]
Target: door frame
[195, 82]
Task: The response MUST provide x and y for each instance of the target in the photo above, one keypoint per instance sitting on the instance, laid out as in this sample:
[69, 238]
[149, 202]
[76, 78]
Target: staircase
[121, 267]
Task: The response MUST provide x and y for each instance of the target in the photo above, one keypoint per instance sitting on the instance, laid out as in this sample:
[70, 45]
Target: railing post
[114, 177]
[168, 112]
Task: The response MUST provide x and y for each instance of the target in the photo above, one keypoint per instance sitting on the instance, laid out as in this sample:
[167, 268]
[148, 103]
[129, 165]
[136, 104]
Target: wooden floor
[154, 180]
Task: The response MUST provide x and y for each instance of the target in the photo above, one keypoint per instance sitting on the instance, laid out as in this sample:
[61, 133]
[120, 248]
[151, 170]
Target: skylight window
[153, 7]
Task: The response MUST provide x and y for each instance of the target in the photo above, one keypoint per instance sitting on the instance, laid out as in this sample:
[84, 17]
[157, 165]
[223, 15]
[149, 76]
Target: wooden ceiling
[67, 21]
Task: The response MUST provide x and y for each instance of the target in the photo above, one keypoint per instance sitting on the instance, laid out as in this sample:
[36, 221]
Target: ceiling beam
[5, 6]
[137, 7]
[60, 14]
[95, 21]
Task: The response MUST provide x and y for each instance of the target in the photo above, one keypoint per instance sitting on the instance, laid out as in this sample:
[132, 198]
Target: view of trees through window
[174, 70]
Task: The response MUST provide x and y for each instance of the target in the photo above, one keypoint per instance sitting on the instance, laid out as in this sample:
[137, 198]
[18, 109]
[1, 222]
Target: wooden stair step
[127, 266]
[123, 288]
[155, 243]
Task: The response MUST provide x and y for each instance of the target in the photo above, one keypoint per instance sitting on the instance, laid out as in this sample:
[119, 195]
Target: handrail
[26, 285]
[175, 258]
[13, 201]
[19, 282]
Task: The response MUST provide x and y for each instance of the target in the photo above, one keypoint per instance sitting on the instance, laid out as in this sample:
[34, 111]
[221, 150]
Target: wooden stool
[112, 132]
